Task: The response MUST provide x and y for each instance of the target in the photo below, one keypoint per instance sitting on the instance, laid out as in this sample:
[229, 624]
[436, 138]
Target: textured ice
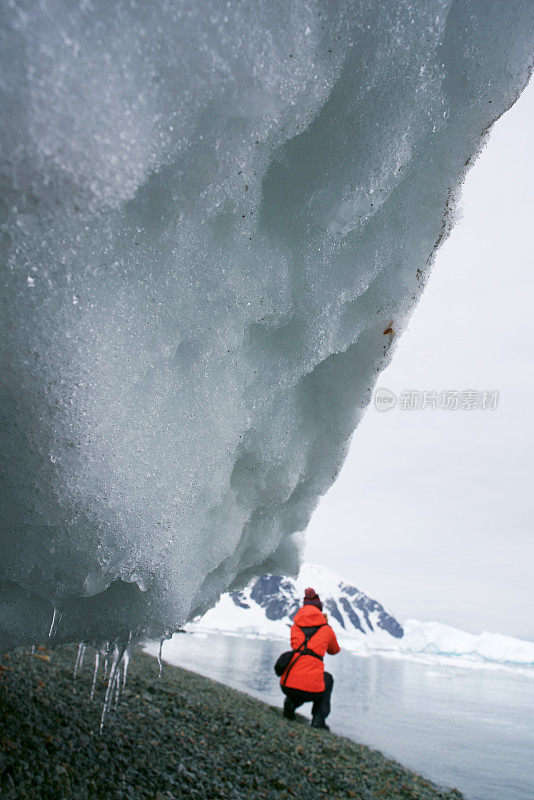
[211, 212]
[437, 639]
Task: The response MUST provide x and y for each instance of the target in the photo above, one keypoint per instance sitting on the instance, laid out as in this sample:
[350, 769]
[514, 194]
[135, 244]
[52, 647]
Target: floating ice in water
[211, 213]
[437, 639]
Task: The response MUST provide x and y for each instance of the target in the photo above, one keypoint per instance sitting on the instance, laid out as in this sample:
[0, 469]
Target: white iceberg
[437, 639]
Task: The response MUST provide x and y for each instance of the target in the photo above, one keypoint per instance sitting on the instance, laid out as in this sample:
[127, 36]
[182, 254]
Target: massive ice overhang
[211, 215]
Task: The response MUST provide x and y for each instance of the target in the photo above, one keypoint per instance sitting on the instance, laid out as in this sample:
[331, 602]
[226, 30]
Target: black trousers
[320, 700]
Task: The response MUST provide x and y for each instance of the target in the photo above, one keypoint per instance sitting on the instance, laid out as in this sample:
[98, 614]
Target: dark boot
[318, 722]
[321, 706]
[289, 709]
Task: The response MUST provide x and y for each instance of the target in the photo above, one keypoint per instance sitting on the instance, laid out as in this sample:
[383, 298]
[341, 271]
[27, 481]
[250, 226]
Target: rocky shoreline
[179, 736]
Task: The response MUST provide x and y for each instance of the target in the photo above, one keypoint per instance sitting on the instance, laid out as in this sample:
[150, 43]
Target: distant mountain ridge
[265, 610]
[269, 603]
[349, 607]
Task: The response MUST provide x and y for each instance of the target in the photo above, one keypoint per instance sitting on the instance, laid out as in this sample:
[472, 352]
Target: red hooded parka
[307, 674]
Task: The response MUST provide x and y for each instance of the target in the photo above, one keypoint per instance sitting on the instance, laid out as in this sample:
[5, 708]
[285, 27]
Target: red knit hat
[311, 598]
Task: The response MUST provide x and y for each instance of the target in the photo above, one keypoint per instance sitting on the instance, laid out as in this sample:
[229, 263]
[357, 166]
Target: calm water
[468, 728]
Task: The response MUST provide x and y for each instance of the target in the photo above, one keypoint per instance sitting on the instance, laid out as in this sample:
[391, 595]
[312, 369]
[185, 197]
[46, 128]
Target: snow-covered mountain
[267, 606]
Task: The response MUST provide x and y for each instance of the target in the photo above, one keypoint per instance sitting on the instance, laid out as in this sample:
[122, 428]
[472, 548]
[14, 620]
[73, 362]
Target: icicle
[109, 688]
[125, 663]
[79, 659]
[160, 663]
[75, 670]
[54, 625]
[95, 673]
[113, 674]
[106, 659]
[117, 689]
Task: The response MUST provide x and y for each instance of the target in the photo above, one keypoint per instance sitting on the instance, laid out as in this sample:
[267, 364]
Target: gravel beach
[179, 736]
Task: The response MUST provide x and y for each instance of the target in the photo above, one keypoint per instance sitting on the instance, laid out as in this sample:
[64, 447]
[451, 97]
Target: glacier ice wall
[211, 213]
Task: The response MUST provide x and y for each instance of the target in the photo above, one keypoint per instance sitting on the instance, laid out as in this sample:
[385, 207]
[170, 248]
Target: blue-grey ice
[216, 219]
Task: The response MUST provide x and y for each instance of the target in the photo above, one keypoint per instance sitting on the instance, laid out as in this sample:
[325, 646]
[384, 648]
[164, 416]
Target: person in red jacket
[304, 679]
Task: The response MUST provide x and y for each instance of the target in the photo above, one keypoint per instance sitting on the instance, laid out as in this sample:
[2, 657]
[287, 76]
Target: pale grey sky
[432, 512]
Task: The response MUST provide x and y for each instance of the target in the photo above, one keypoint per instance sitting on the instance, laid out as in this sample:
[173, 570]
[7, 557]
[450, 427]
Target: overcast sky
[433, 511]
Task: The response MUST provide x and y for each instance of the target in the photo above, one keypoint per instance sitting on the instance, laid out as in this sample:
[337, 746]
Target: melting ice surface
[211, 214]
